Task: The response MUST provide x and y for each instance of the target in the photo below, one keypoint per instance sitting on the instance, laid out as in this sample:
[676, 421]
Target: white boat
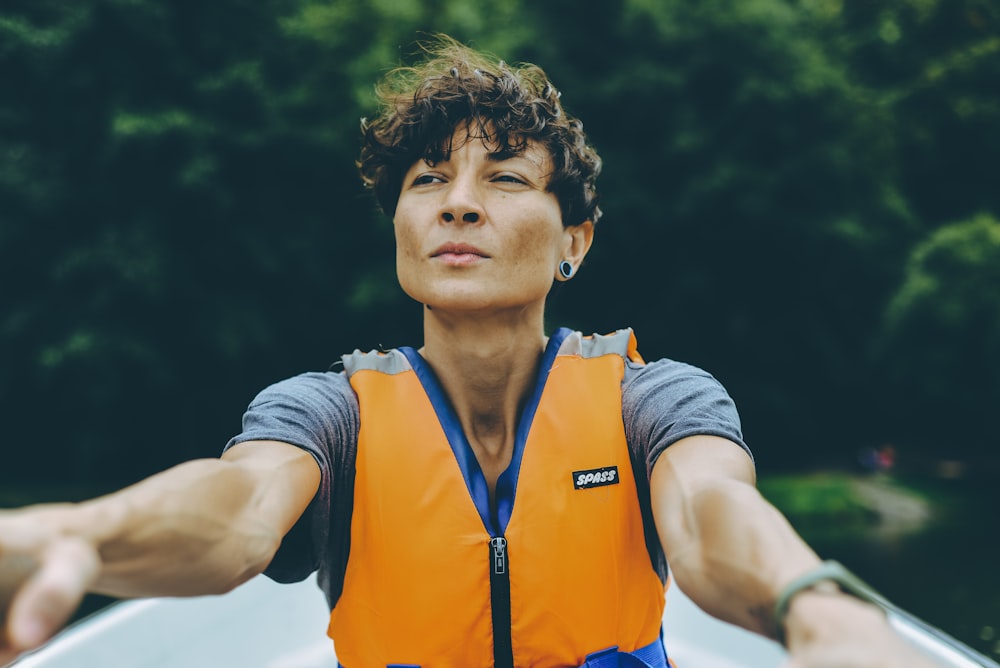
[266, 625]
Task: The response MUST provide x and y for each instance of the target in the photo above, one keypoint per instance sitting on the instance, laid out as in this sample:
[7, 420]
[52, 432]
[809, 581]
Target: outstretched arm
[202, 527]
[733, 553]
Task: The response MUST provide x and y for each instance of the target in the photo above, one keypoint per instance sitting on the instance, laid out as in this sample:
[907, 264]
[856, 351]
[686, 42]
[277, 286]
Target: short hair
[420, 107]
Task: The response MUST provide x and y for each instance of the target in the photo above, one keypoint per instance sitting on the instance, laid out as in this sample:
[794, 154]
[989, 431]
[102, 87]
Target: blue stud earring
[565, 269]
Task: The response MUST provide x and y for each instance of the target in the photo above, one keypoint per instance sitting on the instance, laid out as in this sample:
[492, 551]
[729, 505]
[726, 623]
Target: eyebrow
[501, 156]
[498, 156]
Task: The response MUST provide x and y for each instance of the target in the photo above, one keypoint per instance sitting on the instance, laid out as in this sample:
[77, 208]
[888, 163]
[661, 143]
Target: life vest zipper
[503, 651]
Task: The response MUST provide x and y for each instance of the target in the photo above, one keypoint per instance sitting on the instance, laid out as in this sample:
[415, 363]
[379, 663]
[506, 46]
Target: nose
[462, 203]
[467, 217]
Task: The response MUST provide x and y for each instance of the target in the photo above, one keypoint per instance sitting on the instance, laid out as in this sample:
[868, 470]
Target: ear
[577, 240]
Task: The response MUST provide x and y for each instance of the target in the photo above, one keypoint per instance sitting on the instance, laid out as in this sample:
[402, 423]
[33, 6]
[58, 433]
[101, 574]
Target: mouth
[458, 251]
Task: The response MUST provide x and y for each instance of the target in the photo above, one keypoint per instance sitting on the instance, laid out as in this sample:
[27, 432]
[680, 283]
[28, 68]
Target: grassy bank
[841, 502]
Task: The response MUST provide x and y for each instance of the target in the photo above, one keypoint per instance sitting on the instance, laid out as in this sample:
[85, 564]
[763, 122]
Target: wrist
[828, 589]
[826, 613]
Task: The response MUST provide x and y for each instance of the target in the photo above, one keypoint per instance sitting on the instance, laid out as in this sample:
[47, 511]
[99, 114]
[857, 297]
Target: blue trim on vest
[507, 481]
[475, 481]
[653, 655]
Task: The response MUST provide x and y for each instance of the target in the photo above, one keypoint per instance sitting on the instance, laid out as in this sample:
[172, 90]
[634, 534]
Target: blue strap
[652, 655]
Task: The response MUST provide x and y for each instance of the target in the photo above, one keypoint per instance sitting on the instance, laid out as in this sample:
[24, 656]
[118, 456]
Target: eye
[509, 178]
[427, 178]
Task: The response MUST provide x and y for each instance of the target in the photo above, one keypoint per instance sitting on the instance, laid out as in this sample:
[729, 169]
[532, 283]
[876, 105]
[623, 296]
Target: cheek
[541, 249]
[406, 252]
[407, 269]
[406, 240]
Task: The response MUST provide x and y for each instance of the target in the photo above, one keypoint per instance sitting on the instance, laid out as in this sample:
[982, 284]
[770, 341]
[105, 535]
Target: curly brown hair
[508, 106]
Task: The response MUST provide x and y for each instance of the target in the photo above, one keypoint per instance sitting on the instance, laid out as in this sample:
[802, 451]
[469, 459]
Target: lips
[458, 249]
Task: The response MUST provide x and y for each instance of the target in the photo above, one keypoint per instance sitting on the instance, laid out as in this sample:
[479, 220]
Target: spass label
[607, 475]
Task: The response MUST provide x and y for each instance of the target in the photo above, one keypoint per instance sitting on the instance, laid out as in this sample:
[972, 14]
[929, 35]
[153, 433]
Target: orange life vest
[555, 571]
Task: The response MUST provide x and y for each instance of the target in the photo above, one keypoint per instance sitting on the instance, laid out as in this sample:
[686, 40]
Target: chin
[451, 297]
[458, 305]
[466, 296]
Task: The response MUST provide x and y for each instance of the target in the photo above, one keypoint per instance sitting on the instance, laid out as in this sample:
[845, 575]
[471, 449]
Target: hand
[827, 630]
[44, 575]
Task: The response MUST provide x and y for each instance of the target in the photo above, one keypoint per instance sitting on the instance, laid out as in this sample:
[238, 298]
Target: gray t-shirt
[662, 402]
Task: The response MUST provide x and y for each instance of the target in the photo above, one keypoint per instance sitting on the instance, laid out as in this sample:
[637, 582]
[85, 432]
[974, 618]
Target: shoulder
[667, 376]
[315, 410]
[666, 400]
[316, 388]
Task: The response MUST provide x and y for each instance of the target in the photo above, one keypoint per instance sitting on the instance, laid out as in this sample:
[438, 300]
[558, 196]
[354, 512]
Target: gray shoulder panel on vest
[394, 362]
[389, 362]
[597, 345]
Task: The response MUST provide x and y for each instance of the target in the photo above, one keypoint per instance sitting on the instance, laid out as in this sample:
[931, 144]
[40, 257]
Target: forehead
[483, 145]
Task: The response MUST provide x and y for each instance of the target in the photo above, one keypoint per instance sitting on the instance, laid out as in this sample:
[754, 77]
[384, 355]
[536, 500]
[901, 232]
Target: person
[499, 496]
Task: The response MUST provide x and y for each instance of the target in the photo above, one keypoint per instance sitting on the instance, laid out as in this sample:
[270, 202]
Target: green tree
[169, 215]
[181, 222]
[754, 221]
[935, 67]
[941, 339]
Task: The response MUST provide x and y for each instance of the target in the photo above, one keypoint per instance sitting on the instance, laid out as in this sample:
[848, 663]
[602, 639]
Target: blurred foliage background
[800, 196]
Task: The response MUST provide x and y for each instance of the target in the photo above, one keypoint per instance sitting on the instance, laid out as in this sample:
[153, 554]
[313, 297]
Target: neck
[487, 367]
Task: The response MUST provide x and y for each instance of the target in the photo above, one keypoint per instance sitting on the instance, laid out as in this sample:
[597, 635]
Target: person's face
[474, 232]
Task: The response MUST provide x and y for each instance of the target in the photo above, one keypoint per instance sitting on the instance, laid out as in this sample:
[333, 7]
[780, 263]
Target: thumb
[52, 593]
[15, 569]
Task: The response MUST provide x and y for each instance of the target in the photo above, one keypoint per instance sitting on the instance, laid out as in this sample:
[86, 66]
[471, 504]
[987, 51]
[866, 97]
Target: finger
[15, 569]
[48, 598]
[6, 656]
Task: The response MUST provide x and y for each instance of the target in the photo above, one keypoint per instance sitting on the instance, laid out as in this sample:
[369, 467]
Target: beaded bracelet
[828, 571]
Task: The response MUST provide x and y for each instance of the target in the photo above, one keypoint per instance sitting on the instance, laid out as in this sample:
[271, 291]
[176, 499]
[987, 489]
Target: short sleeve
[665, 401]
[317, 412]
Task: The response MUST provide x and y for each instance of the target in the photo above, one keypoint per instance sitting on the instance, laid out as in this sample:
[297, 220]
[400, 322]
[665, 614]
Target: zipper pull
[499, 545]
